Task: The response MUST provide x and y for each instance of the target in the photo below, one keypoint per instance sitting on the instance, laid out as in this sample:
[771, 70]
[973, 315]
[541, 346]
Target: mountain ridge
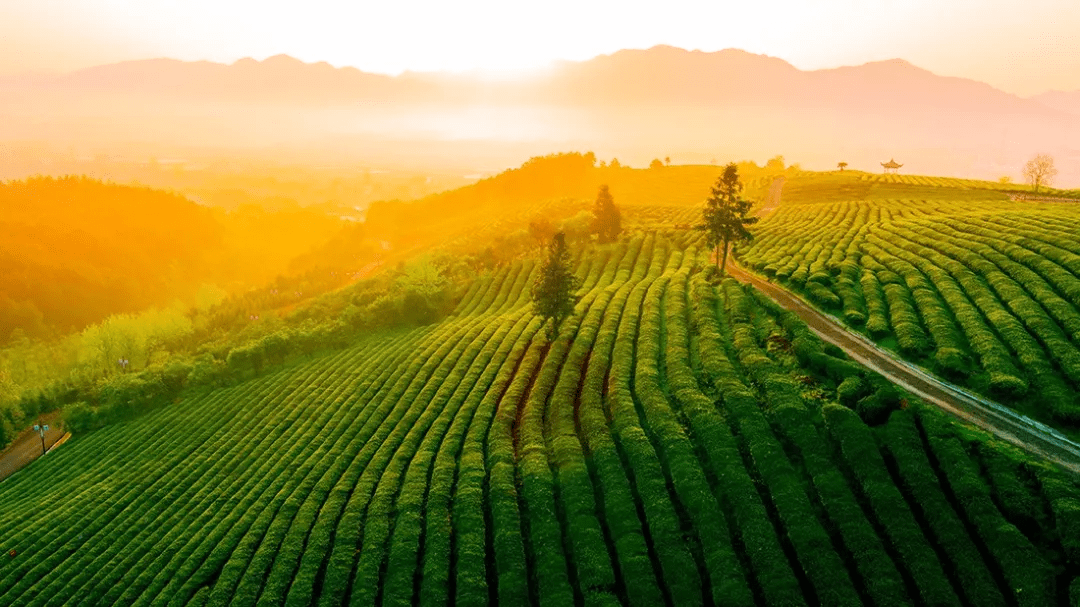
[633, 103]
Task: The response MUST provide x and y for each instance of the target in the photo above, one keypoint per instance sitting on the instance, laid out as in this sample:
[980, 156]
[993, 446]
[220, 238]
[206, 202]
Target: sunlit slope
[110, 248]
[679, 444]
[490, 212]
[981, 289]
[75, 250]
[808, 187]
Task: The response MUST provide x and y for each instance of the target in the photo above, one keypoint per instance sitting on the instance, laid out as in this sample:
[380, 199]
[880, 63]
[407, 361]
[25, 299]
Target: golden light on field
[1022, 47]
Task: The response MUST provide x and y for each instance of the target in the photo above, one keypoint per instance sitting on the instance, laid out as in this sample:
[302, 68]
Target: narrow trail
[995, 418]
[27, 448]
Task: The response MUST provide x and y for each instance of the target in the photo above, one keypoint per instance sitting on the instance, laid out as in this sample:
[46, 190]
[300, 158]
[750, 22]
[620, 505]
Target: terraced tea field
[680, 443]
[985, 292]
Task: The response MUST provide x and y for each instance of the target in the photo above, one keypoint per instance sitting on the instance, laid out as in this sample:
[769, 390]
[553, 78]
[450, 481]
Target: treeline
[116, 249]
[129, 364]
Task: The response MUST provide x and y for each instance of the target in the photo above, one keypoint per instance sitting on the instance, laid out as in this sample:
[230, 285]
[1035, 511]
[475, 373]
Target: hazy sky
[1022, 46]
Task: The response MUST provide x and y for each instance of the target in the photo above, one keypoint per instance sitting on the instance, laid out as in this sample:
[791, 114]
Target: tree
[724, 217]
[667, 160]
[1004, 180]
[553, 292]
[775, 164]
[1040, 171]
[656, 164]
[841, 166]
[607, 220]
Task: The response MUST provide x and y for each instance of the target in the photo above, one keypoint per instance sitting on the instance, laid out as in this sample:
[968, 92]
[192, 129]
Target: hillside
[680, 443]
[494, 212]
[110, 249]
[974, 286]
[74, 251]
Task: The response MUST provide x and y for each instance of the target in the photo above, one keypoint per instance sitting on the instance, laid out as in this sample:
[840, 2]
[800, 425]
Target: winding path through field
[997, 419]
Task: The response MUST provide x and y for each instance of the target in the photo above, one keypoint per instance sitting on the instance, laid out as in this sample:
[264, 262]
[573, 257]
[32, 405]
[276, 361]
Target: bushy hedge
[619, 504]
[678, 569]
[877, 320]
[1027, 575]
[1064, 499]
[822, 564]
[924, 492]
[751, 520]
[1020, 502]
[870, 475]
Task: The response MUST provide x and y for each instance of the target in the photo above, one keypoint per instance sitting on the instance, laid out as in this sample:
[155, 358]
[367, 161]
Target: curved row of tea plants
[982, 293]
[681, 442]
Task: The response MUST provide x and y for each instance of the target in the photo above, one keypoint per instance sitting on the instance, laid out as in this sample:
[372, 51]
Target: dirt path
[997, 419]
[27, 448]
[772, 198]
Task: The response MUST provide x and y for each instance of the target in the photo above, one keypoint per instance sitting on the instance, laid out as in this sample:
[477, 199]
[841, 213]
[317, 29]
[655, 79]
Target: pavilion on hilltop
[891, 166]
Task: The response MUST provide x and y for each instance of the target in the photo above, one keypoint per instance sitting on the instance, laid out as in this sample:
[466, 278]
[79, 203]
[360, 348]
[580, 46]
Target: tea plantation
[682, 442]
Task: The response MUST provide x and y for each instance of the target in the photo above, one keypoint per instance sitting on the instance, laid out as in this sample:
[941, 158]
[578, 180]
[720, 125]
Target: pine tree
[724, 217]
[553, 292]
[607, 220]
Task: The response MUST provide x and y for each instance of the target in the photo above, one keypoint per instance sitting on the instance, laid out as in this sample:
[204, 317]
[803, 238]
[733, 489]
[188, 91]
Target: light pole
[42, 430]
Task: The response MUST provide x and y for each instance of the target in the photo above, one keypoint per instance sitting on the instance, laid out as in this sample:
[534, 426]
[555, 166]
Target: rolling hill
[679, 443]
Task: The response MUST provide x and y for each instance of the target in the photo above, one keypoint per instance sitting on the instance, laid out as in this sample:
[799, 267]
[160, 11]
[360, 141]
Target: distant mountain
[635, 104]
[662, 74]
[276, 78]
[1061, 100]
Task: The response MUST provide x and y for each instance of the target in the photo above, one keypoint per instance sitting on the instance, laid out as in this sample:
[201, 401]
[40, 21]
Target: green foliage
[1029, 577]
[724, 218]
[607, 220]
[876, 407]
[553, 291]
[676, 443]
[982, 292]
[868, 470]
[849, 391]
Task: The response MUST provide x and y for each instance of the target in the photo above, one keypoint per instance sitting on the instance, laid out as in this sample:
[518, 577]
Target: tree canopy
[1040, 171]
[553, 292]
[607, 220]
[724, 217]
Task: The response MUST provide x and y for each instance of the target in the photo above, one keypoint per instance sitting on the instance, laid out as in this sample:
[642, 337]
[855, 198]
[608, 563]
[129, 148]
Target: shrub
[875, 408]
[79, 417]
[952, 362]
[821, 295]
[850, 390]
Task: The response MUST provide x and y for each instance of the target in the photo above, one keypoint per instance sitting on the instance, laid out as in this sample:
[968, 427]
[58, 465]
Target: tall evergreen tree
[607, 220]
[724, 217]
[553, 292]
